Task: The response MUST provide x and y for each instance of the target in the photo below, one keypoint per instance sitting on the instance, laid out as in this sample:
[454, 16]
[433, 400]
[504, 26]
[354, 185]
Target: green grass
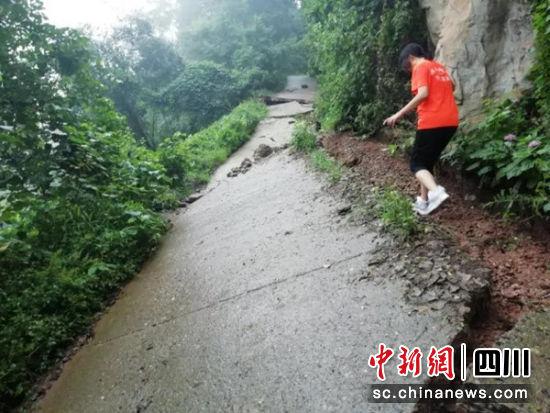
[393, 149]
[322, 162]
[304, 138]
[191, 160]
[403, 145]
[395, 211]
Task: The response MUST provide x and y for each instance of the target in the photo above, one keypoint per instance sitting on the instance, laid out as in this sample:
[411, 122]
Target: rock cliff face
[486, 44]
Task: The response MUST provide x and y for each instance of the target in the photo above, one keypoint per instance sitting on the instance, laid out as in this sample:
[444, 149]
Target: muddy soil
[517, 253]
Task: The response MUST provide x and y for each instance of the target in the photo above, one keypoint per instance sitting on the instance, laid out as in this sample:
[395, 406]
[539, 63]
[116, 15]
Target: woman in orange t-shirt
[437, 122]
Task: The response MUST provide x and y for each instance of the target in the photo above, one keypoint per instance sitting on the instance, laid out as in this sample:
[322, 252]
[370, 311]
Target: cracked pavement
[255, 301]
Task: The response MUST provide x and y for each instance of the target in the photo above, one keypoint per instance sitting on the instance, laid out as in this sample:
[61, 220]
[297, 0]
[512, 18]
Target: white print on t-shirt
[440, 74]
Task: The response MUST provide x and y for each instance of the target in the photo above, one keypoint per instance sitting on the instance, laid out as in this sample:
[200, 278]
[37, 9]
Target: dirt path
[260, 299]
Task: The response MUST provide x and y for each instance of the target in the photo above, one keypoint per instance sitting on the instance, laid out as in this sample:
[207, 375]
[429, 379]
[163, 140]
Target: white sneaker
[435, 199]
[420, 205]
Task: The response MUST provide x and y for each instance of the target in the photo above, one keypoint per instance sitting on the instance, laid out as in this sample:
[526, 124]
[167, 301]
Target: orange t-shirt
[439, 109]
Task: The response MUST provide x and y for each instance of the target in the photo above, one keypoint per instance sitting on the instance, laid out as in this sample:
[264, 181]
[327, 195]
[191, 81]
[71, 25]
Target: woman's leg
[428, 146]
[428, 153]
[427, 182]
[417, 163]
[423, 192]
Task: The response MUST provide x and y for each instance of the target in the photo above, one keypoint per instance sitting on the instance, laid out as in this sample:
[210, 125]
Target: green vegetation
[304, 138]
[136, 67]
[354, 49]
[190, 161]
[322, 162]
[77, 196]
[393, 149]
[80, 196]
[223, 53]
[510, 148]
[510, 154]
[403, 145]
[541, 70]
[396, 213]
[259, 39]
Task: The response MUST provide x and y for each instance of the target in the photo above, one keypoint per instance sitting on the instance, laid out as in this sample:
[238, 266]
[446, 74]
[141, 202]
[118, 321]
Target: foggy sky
[99, 14]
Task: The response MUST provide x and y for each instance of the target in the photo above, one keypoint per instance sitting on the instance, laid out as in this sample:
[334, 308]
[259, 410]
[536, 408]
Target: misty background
[178, 65]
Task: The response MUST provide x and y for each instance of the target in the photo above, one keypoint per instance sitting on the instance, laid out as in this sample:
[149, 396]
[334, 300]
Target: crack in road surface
[234, 297]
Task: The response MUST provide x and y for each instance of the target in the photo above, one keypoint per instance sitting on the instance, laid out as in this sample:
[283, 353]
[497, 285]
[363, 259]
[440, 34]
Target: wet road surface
[256, 301]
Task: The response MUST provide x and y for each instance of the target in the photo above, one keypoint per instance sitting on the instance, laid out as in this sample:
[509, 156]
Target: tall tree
[139, 65]
[259, 37]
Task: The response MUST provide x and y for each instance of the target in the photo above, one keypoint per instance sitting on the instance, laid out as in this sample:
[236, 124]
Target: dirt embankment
[516, 252]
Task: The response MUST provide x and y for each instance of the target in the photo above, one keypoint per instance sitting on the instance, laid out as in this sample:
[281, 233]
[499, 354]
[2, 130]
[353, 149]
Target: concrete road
[254, 302]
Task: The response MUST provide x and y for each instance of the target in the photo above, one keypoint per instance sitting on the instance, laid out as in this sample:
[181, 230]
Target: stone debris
[263, 151]
[191, 199]
[432, 280]
[246, 165]
[426, 265]
[437, 274]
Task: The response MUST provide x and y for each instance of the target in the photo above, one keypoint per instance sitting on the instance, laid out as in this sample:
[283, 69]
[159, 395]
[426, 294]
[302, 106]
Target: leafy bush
[223, 52]
[509, 153]
[76, 198]
[303, 137]
[354, 52]
[510, 148]
[396, 213]
[541, 71]
[60, 259]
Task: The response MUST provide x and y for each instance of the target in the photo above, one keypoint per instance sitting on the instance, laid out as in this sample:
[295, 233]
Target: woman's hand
[392, 120]
[422, 95]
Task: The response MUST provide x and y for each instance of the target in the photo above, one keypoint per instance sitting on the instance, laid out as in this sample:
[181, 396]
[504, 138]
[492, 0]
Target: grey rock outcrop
[486, 44]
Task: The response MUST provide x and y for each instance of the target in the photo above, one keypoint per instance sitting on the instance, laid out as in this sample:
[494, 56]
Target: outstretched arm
[422, 95]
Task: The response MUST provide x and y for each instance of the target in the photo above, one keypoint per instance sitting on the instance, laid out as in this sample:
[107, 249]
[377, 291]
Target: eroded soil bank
[514, 311]
[517, 254]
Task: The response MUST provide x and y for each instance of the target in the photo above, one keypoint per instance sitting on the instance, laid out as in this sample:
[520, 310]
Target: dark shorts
[428, 146]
